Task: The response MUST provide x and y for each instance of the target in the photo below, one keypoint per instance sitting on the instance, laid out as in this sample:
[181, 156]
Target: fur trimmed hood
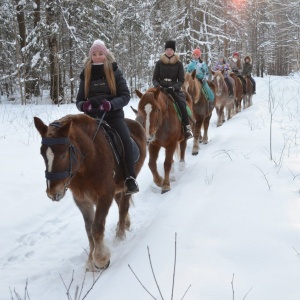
[172, 60]
[248, 57]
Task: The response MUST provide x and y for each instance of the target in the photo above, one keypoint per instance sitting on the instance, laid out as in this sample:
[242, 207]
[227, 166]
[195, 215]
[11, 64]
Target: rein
[73, 150]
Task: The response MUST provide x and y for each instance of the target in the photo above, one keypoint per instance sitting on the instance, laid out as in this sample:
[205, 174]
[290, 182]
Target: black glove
[171, 89]
[95, 103]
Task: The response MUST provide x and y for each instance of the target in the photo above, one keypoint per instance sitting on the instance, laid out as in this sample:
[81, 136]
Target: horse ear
[40, 126]
[134, 110]
[212, 72]
[64, 130]
[139, 94]
[156, 92]
[222, 71]
[194, 74]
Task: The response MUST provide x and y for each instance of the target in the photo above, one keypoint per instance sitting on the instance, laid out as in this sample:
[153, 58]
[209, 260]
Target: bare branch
[264, 176]
[174, 266]
[141, 283]
[153, 273]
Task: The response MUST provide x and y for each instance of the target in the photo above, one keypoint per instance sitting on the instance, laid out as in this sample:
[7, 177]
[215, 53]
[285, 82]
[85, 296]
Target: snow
[235, 212]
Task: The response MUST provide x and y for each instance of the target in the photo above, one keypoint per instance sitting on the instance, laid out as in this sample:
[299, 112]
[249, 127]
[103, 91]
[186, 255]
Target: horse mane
[81, 125]
[195, 86]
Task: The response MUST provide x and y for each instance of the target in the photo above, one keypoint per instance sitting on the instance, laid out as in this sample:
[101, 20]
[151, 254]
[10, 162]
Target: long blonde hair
[108, 71]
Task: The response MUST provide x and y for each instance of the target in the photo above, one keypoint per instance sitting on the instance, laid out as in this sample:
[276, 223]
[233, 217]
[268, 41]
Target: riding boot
[185, 120]
[130, 182]
[132, 186]
[187, 132]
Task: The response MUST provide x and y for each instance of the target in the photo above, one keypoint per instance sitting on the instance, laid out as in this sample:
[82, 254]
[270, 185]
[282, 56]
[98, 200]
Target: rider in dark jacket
[103, 88]
[247, 70]
[169, 75]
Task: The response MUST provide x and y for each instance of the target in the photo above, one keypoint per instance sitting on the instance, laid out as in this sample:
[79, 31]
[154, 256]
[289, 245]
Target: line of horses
[79, 157]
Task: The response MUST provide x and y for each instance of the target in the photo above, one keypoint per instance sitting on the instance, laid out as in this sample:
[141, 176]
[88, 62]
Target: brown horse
[222, 97]
[249, 93]
[202, 111]
[239, 92]
[158, 116]
[78, 156]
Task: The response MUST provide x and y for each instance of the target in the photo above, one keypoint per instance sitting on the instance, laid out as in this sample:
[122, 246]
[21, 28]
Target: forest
[44, 43]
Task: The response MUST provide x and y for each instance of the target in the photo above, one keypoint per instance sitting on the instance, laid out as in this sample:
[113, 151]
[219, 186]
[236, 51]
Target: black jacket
[99, 89]
[168, 72]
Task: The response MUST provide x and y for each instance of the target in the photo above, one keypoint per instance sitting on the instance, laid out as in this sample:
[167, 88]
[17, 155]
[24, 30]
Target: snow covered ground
[236, 213]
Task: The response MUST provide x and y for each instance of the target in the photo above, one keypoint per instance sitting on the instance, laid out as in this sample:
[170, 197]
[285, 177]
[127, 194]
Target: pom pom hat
[170, 44]
[197, 52]
[235, 54]
[98, 45]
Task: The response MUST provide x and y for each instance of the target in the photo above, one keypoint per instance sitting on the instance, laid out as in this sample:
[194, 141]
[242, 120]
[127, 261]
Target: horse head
[219, 82]
[149, 113]
[192, 86]
[60, 156]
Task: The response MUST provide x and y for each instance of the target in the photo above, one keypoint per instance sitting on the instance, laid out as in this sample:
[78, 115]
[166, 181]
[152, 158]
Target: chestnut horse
[249, 93]
[202, 111]
[157, 114]
[239, 92]
[222, 97]
[79, 156]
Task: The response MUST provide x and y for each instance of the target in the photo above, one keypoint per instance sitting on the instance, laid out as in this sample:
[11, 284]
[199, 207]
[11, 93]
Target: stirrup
[131, 186]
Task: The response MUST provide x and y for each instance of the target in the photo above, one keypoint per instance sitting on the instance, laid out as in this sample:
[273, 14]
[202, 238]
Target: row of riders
[103, 88]
[81, 154]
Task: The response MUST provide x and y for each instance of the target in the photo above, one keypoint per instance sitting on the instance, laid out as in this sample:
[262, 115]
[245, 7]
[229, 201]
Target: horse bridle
[73, 150]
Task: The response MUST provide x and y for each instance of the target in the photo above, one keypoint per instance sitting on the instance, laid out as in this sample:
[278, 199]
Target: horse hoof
[195, 153]
[164, 191]
[103, 268]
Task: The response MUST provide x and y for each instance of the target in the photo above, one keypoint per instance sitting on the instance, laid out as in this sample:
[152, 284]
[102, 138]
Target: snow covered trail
[234, 210]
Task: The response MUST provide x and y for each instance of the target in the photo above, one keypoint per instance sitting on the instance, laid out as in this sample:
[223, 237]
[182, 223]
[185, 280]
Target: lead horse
[158, 115]
[202, 111]
[78, 156]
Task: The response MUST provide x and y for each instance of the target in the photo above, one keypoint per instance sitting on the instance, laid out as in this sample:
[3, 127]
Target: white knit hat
[98, 45]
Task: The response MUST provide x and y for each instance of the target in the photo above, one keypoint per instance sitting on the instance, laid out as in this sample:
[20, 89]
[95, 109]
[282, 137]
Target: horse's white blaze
[148, 108]
[50, 159]
[218, 85]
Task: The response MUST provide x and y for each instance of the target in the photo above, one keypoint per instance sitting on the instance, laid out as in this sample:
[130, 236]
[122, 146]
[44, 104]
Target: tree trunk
[56, 90]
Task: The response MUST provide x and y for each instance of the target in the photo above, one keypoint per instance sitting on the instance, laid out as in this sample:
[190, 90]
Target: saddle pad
[208, 93]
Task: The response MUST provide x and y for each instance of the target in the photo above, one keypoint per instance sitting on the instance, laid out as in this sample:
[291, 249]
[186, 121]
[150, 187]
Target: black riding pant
[180, 100]
[118, 123]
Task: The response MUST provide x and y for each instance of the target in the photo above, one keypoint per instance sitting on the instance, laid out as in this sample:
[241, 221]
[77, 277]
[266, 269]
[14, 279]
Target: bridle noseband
[73, 150]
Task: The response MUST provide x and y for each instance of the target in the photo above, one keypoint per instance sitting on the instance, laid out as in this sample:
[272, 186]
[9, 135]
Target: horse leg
[182, 154]
[167, 167]
[153, 155]
[123, 202]
[221, 117]
[205, 127]
[101, 254]
[87, 209]
[197, 134]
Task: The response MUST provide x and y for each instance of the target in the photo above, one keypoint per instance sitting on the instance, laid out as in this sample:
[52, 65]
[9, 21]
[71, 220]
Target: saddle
[116, 144]
[173, 97]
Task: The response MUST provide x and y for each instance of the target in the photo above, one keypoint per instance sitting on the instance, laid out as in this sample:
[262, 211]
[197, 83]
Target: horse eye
[63, 156]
